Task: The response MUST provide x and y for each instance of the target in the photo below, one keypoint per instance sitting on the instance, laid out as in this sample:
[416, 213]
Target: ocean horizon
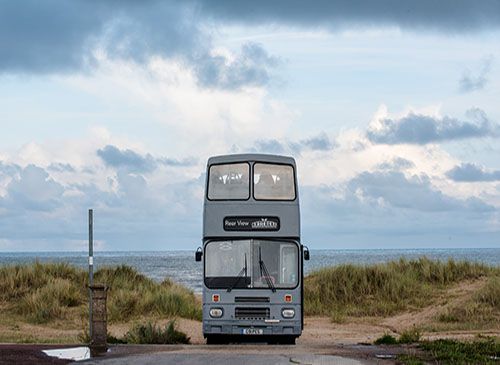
[180, 266]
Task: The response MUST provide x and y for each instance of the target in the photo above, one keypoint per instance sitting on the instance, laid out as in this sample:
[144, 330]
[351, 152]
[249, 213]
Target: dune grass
[386, 289]
[44, 293]
[483, 309]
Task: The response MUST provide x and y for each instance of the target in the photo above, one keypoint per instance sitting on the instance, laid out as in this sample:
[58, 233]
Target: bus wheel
[216, 340]
[287, 340]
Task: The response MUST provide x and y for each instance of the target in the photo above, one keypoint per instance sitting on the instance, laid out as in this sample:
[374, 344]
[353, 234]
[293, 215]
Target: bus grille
[251, 313]
[251, 299]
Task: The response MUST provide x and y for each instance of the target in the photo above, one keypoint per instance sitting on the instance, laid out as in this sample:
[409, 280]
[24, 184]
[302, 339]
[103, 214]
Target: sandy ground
[320, 335]
[322, 331]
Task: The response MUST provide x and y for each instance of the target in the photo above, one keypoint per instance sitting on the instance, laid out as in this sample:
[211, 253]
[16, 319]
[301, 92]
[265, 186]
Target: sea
[181, 266]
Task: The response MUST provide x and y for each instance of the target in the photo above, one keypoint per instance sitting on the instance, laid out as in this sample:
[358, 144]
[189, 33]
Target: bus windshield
[273, 182]
[251, 263]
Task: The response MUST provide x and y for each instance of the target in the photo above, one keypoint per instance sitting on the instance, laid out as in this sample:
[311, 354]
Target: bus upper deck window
[273, 182]
[229, 182]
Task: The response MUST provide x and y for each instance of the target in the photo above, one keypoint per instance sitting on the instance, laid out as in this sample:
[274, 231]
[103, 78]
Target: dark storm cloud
[56, 36]
[469, 172]
[423, 129]
[444, 16]
[470, 82]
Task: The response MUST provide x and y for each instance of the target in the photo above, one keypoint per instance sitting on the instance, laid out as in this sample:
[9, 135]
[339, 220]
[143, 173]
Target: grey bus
[252, 254]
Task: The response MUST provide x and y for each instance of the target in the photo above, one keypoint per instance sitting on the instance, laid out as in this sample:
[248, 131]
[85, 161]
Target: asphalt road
[227, 359]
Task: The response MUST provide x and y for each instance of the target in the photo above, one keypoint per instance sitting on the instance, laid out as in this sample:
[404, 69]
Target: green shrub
[386, 339]
[150, 333]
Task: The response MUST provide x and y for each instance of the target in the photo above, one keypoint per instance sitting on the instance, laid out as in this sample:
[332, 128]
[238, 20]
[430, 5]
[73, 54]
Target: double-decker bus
[252, 254]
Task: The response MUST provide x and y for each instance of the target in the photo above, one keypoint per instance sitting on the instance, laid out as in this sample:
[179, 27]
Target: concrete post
[98, 339]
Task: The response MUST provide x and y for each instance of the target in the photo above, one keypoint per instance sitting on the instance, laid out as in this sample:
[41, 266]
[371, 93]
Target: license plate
[252, 331]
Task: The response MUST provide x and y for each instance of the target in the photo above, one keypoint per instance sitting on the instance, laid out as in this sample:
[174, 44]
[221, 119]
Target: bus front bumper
[251, 328]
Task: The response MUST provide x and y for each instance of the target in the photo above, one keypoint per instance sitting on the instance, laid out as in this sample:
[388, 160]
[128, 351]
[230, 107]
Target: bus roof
[251, 157]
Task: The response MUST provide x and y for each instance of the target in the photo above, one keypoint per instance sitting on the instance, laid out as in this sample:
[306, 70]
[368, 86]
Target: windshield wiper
[266, 275]
[240, 275]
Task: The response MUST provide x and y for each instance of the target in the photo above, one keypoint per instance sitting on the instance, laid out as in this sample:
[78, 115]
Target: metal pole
[91, 267]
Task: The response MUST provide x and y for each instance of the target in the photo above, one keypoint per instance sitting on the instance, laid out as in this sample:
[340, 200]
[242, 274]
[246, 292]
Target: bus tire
[287, 340]
[216, 340]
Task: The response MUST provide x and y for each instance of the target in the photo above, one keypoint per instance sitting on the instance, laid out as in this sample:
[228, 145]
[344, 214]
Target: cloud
[269, 146]
[56, 36]
[250, 68]
[469, 82]
[389, 209]
[60, 36]
[140, 205]
[8, 168]
[61, 167]
[320, 142]
[469, 172]
[132, 161]
[416, 193]
[33, 190]
[445, 16]
[397, 163]
[422, 129]
[189, 161]
[131, 212]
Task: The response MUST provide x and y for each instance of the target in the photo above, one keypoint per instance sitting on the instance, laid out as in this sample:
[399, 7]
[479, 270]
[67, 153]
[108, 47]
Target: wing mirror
[306, 252]
[198, 254]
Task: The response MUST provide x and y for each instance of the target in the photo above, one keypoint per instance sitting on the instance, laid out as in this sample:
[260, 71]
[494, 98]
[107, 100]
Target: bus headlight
[288, 313]
[215, 312]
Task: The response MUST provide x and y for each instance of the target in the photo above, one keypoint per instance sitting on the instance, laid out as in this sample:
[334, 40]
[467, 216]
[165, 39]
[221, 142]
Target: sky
[390, 109]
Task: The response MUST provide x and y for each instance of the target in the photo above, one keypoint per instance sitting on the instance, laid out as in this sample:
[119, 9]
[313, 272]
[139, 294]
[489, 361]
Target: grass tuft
[410, 336]
[407, 337]
[150, 333]
[386, 339]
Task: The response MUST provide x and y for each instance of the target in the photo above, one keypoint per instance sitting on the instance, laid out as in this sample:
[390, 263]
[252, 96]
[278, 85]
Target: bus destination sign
[251, 224]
